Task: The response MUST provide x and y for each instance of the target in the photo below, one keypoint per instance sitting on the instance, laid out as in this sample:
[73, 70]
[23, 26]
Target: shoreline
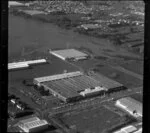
[63, 21]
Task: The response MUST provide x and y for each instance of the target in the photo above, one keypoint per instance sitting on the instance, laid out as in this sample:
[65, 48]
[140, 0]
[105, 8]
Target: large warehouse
[69, 54]
[71, 86]
[130, 105]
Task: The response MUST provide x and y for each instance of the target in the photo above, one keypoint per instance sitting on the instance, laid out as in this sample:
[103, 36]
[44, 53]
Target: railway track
[82, 105]
[89, 102]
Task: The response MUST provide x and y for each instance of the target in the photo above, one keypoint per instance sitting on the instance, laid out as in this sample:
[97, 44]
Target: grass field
[135, 66]
[125, 79]
[137, 97]
[93, 120]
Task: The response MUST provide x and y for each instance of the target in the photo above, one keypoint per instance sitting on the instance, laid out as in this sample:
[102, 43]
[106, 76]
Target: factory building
[14, 3]
[24, 64]
[108, 83]
[33, 124]
[72, 86]
[129, 129]
[69, 54]
[131, 106]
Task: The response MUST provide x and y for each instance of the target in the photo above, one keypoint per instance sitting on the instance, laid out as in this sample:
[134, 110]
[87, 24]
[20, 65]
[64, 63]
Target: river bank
[60, 19]
[117, 36]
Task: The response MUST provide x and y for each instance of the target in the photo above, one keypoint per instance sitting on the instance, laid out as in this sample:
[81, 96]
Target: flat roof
[58, 76]
[68, 53]
[131, 104]
[71, 86]
[25, 63]
[129, 129]
[119, 131]
[29, 120]
[138, 131]
[107, 82]
[34, 124]
[30, 123]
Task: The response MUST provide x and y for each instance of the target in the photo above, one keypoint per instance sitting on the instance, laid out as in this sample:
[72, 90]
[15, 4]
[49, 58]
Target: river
[29, 35]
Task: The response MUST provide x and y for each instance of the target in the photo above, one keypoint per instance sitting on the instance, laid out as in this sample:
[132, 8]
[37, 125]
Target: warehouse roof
[71, 86]
[30, 123]
[131, 104]
[25, 63]
[34, 124]
[129, 129]
[68, 53]
[119, 131]
[107, 82]
[29, 120]
[138, 131]
[57, 76]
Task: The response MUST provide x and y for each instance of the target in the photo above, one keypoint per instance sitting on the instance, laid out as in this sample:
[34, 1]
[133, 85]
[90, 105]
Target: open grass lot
[93, 120]
[135, 66]
[85, 64]
[138, 97]
[125, 79]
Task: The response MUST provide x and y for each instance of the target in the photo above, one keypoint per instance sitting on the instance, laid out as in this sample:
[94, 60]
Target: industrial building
[14, 3]
[130, 105]
[129, 129]
[110, 84]
[69, 54]
[24, 64]
[72, 86]
[33, 124]
[90, 26]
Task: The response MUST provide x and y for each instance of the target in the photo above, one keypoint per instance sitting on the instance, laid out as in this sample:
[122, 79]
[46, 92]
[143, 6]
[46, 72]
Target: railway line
[96, 101]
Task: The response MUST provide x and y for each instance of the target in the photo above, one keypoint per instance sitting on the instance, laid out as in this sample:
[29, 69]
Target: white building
[130, 105]
[33, 124]
[24, 64]
[128, 129]
[69, 54]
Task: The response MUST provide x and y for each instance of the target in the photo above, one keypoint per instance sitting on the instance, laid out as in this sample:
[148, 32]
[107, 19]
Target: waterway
[27, 36]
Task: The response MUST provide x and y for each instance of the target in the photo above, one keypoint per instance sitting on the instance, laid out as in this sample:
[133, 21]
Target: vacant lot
[93, 120]
[137, 97]
[125, 79]
[135, 66]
